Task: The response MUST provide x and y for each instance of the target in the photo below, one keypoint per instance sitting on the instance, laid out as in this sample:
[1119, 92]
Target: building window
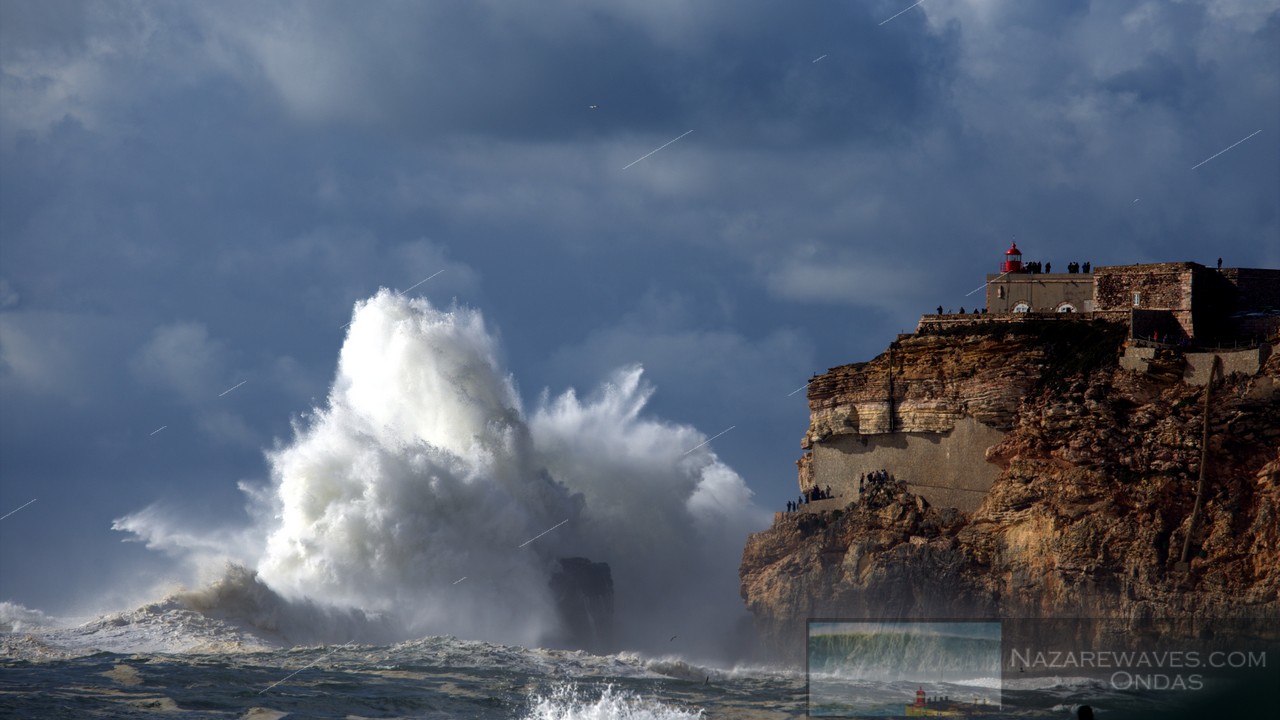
[1137, 299]
[1022, 306]
[1066, 307]
[1000, 292]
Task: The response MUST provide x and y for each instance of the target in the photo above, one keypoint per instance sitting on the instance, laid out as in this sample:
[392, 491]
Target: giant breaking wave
[423, 468]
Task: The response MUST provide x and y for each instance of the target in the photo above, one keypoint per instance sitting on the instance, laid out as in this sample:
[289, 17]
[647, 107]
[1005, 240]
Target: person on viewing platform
[939, 309]
[1047, 267]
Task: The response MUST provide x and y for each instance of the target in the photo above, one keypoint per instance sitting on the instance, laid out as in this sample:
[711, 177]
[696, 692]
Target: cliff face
[984, 372]
[934, 382]
[1088, 516]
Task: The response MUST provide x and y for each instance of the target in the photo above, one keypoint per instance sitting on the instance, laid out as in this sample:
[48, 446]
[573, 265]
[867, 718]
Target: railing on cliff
[930, 323]
[1235, 346]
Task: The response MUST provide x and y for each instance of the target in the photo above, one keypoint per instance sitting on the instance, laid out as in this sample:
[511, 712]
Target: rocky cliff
[1088, 517]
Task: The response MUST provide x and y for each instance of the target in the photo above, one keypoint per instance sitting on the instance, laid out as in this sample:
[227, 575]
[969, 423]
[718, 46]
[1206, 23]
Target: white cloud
[182, 358]
[295, 379]
[863, 281]
[54, 353]
[69, 63]
[9, 296]
[713, 364]
[1243, 15]
[227, 428]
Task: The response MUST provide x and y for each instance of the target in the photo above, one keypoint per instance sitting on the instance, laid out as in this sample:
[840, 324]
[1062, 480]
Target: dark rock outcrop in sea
[583, 591]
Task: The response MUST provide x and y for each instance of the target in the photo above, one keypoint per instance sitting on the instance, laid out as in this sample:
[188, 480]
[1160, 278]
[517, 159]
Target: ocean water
[58, 674]
[167, 661]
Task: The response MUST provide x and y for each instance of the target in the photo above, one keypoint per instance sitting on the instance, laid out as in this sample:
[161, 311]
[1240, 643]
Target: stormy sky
[194, 195]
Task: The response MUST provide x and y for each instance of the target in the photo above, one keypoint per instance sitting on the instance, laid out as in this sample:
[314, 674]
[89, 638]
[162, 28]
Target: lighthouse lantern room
[1012, 260]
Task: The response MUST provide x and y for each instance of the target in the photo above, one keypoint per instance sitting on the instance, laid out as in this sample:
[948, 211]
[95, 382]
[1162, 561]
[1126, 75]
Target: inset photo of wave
[903, 669]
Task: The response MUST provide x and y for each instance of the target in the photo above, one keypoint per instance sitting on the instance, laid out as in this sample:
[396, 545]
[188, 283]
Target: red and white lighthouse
[920, 697]
[1012, 260]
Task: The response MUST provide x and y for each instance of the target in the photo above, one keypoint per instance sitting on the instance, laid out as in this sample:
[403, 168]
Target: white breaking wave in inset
[422, 468]
[991, 683]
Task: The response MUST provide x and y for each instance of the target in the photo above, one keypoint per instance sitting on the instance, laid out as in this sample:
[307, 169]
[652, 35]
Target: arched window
[1066, 307]
[1022, 306]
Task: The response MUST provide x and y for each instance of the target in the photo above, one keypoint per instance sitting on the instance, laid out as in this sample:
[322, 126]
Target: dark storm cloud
[742, 70]
[192, 195]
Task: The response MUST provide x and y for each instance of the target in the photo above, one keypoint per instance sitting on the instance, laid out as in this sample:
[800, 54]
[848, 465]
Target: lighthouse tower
[1012, 260]
[920, 698]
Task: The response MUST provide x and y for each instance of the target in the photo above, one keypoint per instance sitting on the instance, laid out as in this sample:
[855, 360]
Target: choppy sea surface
[443, 677]
[436, 677]
[167, 662]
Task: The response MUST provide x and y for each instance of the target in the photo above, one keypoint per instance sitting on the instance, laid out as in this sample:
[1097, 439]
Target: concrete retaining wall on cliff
[949, 469]
[1246, 362]
[1197, 366]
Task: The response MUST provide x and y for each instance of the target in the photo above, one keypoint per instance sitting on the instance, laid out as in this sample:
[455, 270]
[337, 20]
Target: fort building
[1180, 303]
[1017, 288]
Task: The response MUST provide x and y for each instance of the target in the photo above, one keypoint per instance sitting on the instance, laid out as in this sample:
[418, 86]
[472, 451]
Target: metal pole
[1204, 461]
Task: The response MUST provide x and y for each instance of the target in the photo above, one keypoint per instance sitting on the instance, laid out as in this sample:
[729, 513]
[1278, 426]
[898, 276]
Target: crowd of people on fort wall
[874, 479]
[1035, 267]
[874, 488]
[878, 487]
[962, 311]
[810, 495]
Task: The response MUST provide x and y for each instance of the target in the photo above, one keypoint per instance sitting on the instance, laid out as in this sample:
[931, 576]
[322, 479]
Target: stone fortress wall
[1164, 287]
